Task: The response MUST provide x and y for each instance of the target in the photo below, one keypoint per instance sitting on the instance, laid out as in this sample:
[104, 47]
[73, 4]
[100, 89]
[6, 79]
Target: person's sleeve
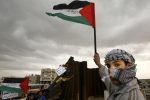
[103, 71]
[135, 94]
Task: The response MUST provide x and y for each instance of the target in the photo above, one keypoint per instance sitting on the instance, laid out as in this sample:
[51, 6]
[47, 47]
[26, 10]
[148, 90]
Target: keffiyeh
[124, 76]
[118, 54]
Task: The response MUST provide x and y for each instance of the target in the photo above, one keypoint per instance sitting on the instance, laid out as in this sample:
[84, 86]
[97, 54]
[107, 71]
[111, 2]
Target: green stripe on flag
[78, 19]
[10, 89]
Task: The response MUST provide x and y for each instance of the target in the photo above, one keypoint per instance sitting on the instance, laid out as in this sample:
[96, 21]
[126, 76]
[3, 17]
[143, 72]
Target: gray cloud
[29, 39]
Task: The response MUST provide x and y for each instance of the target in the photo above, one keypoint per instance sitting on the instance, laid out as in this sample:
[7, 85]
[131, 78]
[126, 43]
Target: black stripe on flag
[73, 5]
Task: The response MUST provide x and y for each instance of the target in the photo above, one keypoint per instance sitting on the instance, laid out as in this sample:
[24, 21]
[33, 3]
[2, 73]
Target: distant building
[34, 79]
[145, 87]
[144, 83]
[47, 75]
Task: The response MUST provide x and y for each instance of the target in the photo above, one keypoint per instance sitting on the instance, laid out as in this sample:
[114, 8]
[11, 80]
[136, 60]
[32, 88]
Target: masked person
[119, 76]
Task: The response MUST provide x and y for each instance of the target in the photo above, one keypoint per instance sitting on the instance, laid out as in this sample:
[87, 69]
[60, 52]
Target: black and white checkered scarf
[118, 54]
[127, 74]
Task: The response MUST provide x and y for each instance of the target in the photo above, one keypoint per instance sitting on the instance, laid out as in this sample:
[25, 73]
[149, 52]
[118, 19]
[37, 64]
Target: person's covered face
[118, 64]
[121, 66]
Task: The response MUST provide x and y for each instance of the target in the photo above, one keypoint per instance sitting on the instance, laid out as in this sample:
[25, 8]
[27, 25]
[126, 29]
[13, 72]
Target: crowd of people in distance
[36, 96]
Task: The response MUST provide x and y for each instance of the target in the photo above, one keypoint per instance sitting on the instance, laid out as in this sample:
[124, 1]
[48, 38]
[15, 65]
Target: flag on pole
[77, 11]
[24, 85]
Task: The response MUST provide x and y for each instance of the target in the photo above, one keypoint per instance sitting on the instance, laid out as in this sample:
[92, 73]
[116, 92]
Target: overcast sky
[31, 40]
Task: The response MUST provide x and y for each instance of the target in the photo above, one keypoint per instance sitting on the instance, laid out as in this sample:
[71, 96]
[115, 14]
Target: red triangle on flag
[24, 85]
[88, 12]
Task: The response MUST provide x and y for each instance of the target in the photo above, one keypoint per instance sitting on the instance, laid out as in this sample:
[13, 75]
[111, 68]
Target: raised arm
[103, 71]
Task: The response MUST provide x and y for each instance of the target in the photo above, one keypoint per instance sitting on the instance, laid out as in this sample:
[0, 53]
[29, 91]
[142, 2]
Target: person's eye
[117, 65]
[108, 66]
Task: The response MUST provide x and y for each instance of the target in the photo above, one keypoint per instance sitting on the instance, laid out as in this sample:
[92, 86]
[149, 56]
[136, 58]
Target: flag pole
[94, 26]
[95, 47]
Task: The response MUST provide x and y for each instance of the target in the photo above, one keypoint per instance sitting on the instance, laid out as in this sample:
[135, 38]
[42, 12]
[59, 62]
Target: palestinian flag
[24, 85]
[77, 11]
